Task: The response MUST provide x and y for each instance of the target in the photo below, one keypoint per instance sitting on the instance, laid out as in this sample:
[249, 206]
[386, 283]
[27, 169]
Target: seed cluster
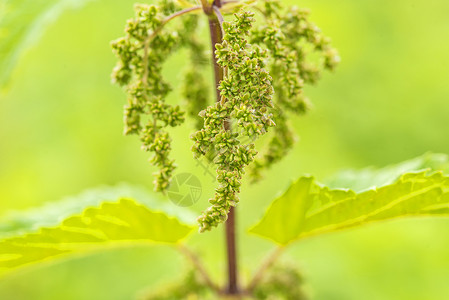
[141, 53]
[244, 110]
[298, 54]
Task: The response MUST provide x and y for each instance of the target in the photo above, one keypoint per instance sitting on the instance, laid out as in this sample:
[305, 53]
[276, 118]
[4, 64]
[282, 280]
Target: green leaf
[111, 224]
[22, 22]
[359, 180]
[283, 219]
[51, 214]
[308, 208]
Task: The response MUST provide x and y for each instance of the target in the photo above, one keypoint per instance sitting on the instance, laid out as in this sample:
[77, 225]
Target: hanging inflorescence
[243, 110]
[141, 53]
[265, 69]
[298, 54]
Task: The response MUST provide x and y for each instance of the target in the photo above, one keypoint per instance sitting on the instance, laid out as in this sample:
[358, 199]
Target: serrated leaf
[318, 209]
[22, 22]
[283, 219]
[359, 180]
[106, 226]
[52, 213]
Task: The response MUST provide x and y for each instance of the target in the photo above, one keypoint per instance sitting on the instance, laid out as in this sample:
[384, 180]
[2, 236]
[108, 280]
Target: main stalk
[231, 249]
[232, 288]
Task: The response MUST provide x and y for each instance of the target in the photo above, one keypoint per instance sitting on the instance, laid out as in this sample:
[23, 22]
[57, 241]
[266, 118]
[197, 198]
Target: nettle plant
[251, 61]
[262, 54]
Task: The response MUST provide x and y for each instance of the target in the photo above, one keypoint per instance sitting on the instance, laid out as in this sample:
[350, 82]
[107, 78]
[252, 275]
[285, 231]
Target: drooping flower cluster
[141, 53]
[244, 110]
[298, 54]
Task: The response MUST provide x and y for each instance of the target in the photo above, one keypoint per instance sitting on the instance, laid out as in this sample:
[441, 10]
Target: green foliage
[364, 62]
[285, 216]
[265, 68]
[22, 22]
[359, 180]
[51, 214]
[111, 224]
[309, 209]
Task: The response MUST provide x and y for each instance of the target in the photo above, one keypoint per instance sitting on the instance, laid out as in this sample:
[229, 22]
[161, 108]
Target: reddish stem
[231, 248]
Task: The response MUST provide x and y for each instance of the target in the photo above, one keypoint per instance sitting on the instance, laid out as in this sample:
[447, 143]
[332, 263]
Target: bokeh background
[388, 101]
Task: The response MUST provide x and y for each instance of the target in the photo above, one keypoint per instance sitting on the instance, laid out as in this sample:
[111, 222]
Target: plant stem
[199, 266]
[269, 260]
[232, 287]
[216, 36]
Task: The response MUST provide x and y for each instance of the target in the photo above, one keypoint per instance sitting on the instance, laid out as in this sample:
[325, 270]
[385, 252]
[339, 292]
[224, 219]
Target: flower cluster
[141, 53]
[294, 44]
[244, 110]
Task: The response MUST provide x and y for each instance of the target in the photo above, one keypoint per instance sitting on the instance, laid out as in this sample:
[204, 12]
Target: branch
[199, 267]
[266, 264]
[231, 2]
[150, 37]
[180, 13]
[206, 6]
[219, 17]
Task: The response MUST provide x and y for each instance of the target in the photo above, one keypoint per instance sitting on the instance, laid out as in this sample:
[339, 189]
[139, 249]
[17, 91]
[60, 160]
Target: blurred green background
[61, 132]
